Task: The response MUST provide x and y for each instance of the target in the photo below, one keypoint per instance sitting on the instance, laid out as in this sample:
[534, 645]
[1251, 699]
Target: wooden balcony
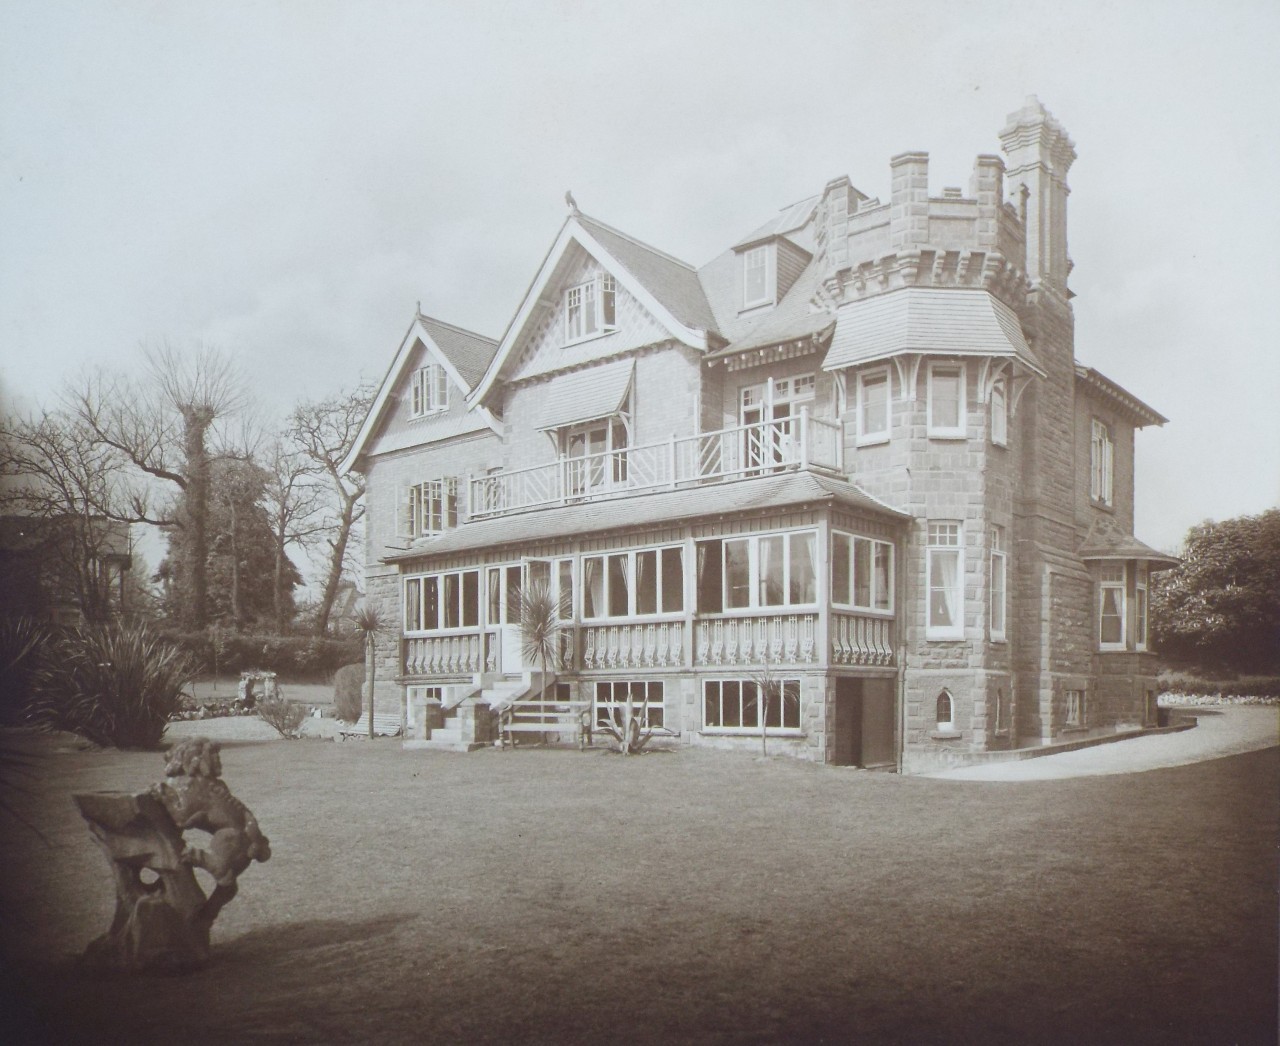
[800, 442]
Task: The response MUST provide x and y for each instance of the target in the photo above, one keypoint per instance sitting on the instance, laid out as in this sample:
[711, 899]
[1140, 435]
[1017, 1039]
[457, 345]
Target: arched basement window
[946, 711]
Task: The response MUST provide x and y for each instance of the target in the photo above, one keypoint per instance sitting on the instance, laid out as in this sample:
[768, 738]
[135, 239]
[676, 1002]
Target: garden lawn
[694, 896]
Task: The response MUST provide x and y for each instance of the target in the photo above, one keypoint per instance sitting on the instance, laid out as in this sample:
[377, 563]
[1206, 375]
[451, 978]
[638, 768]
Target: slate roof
[673, 282]
[641, 510]
[469, 352]
[1105, 540]
[1137, 411]
[927, 319]
[586, 395]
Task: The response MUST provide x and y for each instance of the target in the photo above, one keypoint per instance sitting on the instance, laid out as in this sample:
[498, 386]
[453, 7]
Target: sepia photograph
[641, 522]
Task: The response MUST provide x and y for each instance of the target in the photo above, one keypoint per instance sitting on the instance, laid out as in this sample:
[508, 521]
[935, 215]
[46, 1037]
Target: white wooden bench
[385, 724]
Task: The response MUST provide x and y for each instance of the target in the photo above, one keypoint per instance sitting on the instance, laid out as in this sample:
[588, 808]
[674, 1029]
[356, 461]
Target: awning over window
[937, 321]
[586, 395]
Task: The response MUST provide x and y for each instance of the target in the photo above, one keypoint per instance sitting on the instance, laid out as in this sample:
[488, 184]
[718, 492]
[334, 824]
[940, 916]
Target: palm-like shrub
[116, 685]
[367, 627]
[22, 641]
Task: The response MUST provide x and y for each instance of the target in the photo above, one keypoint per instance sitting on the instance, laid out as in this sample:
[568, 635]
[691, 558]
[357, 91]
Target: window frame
[874, 546]
[998, 410]
[617, 700]
[630, 557]
[429, 502]
[441, 585]
[1075, 715]
[999, 591]
[768, 276]
[1109, 582]
[1141, 607]
[864, 436]
[1102, 463]
[945, 699]
[961, 428]
[591, 301]
[934, 552]
[428, 390]
[791, 691]
[753, 583]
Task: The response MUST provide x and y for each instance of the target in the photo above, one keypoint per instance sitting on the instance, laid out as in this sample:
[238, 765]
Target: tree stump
[162, 916]
[160, 923]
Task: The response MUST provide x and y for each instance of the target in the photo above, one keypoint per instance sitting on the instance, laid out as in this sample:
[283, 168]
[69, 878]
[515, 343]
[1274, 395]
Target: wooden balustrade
[442, 655]
[772, 638]
[860, 640]
[658, 644]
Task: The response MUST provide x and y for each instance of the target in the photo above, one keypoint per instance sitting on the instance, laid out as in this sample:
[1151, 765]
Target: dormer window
[590, 308]
[757, 277]
[428, 390]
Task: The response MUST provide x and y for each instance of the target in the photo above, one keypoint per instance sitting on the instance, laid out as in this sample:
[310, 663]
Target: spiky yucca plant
[22, 642]
[367, 627]
[633, 733]
[116, 685]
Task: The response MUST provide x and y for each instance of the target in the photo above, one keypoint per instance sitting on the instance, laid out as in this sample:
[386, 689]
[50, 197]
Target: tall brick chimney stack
[1040, 154]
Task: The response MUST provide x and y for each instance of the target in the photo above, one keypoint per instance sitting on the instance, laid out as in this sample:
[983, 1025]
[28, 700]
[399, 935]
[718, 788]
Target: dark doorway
[847, 725]
[862, 726]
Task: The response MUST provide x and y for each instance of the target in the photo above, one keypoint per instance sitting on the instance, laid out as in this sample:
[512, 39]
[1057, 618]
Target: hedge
[1259, 686]
[297, 658]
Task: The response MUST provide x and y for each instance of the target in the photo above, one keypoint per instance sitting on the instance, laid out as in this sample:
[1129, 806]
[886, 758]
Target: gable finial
[573, 204]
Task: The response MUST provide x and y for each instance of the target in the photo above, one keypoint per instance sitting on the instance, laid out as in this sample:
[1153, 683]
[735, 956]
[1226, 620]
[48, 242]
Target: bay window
[861, 572]
[1111, 607]
[945, 568]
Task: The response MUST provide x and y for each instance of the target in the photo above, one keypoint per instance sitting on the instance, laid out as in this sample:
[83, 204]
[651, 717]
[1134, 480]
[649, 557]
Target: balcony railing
[802, 441]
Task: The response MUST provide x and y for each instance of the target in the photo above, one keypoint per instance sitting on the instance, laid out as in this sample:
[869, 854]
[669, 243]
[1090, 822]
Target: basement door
[862, 723]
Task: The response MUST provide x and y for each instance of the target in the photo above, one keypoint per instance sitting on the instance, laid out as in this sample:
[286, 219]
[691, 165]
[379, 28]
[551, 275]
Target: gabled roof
[668, 506]
[1137, 411]
[794, 317]
[671, 281]
[665, 286]
[463, 354]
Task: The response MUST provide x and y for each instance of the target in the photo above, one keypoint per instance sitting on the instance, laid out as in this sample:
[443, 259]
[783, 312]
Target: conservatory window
[442, 601]
[874, 412]
[945, 581]
[733, 706]
[861, 572]
[753, 572]
[630, 584]
[1111, 607]
[946, 400]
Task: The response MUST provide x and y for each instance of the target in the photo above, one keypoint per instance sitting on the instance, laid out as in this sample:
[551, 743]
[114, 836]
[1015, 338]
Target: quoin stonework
[854, 458]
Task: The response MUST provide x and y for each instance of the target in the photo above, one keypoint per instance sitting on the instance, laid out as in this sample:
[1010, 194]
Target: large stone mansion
[855, 454]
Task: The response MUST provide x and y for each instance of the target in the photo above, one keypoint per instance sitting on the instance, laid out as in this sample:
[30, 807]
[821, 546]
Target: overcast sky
[286, 180]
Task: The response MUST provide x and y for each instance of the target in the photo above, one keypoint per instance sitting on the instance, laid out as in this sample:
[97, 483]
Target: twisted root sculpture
[163, 917]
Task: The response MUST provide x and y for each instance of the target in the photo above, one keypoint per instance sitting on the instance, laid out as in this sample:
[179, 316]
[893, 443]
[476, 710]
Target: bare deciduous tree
[325, 431]
[54, 473]
[294, 504]
[163, 428]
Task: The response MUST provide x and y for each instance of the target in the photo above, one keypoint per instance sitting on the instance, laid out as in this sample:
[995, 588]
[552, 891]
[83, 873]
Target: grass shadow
[265, 943]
